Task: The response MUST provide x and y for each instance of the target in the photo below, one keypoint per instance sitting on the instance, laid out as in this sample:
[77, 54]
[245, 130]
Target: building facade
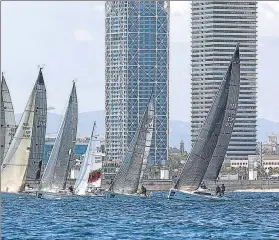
[137, 63]
[217, 26]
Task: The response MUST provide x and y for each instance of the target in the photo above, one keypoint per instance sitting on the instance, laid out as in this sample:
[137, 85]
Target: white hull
[95, 195]
[120, 195]
[53, 195]
[191, 195]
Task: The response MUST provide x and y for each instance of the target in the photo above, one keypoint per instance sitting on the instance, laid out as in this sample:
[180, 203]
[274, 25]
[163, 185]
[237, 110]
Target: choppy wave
[243, 216]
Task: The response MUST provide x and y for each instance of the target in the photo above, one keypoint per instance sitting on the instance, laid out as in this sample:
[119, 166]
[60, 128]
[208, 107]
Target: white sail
[92, 162]
[8, 123]
[14, 165]
[96, 164]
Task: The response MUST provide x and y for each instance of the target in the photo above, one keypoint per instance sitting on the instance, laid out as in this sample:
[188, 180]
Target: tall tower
[137, 61]
[217, 26]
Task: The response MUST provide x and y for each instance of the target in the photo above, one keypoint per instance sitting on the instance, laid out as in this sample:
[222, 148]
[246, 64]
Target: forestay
[57, 169]
[201, 154]
[127, 178]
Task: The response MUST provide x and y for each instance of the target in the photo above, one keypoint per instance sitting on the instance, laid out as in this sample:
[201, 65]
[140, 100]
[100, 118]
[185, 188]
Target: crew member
[203, 186]
[143, 190]
[223, 189]
[71, 189]
[218, 190]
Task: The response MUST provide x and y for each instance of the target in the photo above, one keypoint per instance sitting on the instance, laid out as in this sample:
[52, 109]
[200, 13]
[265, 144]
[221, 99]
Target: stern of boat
[172, 193]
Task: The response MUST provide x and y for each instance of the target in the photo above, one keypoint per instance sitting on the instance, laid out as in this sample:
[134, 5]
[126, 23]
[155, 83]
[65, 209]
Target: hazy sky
[68, 37]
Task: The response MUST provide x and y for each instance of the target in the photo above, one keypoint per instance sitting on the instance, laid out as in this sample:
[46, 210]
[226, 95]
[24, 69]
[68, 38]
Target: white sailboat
[89, 178]
[216, 132]
[13, 169]
[8, 123]
[128, 179]
[55, 176]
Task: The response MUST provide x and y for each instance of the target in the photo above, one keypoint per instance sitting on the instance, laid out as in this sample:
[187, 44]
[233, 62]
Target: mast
[57, 168]
[204, 147]
[33, 171]
[127, 178]
[8, 123]
[218, 157]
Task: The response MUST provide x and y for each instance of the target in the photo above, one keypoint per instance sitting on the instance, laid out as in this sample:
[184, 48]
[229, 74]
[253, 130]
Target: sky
[69, 39]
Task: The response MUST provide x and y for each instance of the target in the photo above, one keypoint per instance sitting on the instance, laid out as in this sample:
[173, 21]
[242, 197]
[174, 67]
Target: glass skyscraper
[217, 26]
[137, 61]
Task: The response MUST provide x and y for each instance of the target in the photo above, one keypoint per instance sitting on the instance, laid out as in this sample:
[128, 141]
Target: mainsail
[8, 123]
[33, 172]
[57, 169]
[14, 165]
[92, 162]
[218, 116]
[218, 157]
[128, 177]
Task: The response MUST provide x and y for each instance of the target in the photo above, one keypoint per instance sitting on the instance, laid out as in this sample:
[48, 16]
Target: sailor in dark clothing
[223, 189]
[203, 185]
[143, 191]
[218, 190]
[71, 189]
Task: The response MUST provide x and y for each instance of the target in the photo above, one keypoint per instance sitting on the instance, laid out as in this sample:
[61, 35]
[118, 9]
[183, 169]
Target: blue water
[242, 216]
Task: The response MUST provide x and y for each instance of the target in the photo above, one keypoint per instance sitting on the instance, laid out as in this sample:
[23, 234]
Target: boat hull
[54, 195]
[192, 195]
[120, 195]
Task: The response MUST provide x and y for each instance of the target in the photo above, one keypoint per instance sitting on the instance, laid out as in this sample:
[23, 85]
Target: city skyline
[216, 29]
[64, 47]
[137, 64]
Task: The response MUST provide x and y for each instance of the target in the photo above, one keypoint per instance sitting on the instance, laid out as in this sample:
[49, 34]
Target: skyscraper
[217, 26]
[137, 50]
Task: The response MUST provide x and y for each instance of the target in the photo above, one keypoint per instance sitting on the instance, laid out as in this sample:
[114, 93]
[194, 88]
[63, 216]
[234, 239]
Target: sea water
[241, 216]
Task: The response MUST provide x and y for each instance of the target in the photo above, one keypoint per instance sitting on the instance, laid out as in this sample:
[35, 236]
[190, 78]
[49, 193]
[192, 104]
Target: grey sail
[128, 177]
[57, 168]
[204, 147]
[33, 171]
[218, 157]
[8, 123]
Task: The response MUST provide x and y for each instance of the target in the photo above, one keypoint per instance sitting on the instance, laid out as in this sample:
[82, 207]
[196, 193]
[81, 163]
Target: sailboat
[89, 179]
[8, 123]
[128, 178]
[57, 170]
[33, 171]
[21, 150]
[214, 136]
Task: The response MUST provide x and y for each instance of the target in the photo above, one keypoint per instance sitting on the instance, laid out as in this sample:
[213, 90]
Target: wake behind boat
[216, 132]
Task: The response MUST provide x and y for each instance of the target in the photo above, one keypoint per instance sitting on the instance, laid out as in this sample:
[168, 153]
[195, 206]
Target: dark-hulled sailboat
[27, 136]
[127, 179]
[57, 169]
[214, 136]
